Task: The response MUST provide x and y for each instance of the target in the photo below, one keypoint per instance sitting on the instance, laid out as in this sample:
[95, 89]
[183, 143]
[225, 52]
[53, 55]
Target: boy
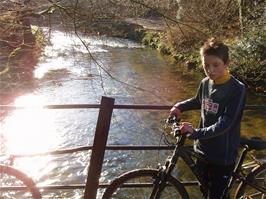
[221, 99]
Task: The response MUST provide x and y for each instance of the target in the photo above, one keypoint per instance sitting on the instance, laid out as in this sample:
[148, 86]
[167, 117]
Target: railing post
[98, 148]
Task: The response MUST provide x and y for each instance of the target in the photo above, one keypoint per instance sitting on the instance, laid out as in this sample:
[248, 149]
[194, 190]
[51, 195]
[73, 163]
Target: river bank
[247, 55]
[157, 34]
[64, 77]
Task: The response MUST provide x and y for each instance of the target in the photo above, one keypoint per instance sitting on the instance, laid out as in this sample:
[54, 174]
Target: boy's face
[214, 66]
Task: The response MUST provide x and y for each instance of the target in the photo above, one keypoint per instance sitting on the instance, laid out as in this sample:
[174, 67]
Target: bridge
[99, 146]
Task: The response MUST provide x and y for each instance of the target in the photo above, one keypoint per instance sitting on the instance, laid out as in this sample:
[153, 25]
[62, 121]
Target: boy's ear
[227, 63]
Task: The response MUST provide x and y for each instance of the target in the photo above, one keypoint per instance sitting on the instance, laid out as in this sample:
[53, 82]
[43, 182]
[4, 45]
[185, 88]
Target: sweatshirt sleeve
[192, 103]
[232, 114]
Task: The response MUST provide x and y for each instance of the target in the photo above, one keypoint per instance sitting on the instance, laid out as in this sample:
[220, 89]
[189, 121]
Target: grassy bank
[247, 56]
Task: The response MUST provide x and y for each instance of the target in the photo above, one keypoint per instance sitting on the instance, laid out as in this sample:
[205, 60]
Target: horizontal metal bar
[53, 106]
[116, 106]
[82, 186]
[86, 148]
[142, 106]
[255, 107]
[47, 187]
[143, 185]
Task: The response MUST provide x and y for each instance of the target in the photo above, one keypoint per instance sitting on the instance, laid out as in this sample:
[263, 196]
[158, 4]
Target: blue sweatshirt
[217, 137]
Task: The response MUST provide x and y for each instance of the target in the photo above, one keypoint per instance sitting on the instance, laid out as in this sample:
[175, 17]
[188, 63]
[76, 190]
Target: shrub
[249, 54]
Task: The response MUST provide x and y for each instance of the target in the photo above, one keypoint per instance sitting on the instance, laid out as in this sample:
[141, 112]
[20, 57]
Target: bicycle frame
[237, 174]
[159, 179]
[187, 154]
[184, 152]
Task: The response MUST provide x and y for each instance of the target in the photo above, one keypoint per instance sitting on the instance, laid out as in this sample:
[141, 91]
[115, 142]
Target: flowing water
[67, 74]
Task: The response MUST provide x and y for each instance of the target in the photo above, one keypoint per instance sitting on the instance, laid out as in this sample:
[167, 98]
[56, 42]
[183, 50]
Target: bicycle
[159, 183]
[14, 183]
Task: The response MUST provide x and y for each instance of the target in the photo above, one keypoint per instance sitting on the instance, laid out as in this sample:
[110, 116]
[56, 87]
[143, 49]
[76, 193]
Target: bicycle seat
[255, 143]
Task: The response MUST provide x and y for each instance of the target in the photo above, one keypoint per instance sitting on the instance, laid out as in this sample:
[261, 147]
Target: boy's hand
[186, 128]
[175, 111]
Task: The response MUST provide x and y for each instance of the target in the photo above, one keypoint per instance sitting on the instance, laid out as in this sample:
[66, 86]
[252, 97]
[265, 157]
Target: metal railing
[99, 144]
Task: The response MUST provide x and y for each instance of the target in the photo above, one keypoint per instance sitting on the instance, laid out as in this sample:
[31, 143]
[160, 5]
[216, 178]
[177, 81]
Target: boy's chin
[212, 77]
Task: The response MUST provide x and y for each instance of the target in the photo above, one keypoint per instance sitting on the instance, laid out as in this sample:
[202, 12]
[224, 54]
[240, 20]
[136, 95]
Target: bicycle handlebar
[175, 123]
[253, 143]
[172, 120]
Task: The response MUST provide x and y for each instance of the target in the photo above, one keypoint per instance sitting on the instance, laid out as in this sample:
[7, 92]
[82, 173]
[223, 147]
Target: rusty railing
[99, 144]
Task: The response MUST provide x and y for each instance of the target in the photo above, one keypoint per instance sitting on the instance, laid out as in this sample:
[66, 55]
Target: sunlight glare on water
[55, 64]
[64, 48]
[29, 130]
[62, 42]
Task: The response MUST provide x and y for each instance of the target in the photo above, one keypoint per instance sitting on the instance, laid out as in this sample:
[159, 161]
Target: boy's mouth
[213, 77]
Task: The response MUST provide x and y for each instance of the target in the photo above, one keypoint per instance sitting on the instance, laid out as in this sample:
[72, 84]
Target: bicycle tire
[258, 175]
[23, 178]
[176, 191]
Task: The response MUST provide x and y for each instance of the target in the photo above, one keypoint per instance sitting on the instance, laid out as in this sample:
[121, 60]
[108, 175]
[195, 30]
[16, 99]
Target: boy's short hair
[216, 48]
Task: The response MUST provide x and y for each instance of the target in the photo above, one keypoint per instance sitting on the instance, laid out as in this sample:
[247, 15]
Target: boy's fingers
[186, 127]
[186, 124]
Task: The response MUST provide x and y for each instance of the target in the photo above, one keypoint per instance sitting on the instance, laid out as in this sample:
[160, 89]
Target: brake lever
[172, 120]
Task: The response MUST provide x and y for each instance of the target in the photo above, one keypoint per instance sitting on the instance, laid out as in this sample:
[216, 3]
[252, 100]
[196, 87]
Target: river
[67, 74]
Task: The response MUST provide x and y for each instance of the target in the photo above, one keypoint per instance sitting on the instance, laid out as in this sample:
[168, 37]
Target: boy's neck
[221, 80]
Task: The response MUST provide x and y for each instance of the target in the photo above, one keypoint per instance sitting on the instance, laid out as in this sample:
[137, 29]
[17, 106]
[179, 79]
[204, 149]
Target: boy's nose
[210, 69]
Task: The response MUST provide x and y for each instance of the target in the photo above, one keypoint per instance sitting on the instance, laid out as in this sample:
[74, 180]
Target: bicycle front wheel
[138, 184]
[258, 178]
[16, 184]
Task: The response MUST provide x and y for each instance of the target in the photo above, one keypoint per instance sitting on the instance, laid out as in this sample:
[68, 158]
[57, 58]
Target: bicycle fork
[165, 171]
[161, 180]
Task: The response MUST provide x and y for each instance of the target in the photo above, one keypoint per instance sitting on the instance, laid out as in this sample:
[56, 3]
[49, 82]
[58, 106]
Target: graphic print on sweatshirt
[210, 106]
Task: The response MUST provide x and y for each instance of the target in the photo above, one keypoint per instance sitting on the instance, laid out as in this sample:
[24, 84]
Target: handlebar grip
[177, 131]
[172, 119]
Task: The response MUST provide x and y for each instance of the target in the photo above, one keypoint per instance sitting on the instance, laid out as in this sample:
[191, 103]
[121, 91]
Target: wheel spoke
[258, 178]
